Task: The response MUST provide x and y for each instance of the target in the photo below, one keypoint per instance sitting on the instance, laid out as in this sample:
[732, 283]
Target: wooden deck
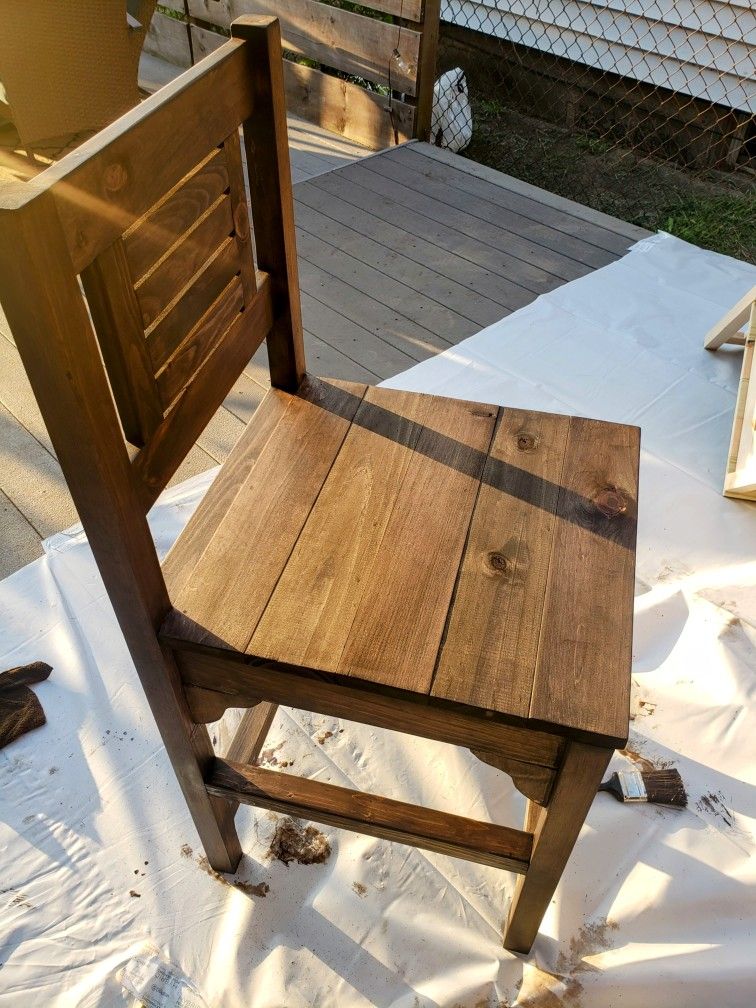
[402, 255]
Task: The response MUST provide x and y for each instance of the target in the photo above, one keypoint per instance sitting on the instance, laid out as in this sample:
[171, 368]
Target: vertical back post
[266, 146]
[426, 68]
[46, 313]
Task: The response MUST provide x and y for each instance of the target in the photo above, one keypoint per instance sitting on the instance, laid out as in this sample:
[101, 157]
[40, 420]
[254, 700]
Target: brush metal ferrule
[633, 788]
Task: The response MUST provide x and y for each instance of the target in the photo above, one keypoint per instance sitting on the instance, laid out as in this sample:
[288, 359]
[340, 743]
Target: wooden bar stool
[453, 570]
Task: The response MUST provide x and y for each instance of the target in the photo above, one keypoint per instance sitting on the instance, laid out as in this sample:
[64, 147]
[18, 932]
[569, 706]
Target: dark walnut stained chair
[448, 569]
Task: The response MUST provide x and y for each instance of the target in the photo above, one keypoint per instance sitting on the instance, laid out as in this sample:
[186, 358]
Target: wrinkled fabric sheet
[102, 874]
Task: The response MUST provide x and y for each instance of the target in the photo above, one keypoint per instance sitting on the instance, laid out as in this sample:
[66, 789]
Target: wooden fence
[364, 71]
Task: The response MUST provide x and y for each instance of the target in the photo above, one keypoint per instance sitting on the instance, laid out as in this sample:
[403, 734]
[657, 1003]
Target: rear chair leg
[555, 829]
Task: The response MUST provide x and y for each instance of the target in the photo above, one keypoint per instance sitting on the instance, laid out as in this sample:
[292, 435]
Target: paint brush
[661, 787]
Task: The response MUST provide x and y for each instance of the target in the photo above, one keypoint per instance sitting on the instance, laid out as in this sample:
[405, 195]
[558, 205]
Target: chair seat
[478, 555]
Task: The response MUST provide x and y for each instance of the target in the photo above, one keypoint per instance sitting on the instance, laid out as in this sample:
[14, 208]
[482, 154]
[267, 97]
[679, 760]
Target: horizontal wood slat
[169, 331]
[125, 169]
[442, 832]
[162, 455]
[175, 271]
[183, 364]
[346, 108]
[245, 681]
[364, 46]
[337, 105]
[151, 236]
[219, 12]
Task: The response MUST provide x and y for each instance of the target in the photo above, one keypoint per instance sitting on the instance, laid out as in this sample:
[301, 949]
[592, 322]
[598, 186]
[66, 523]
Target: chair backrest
[128, 277]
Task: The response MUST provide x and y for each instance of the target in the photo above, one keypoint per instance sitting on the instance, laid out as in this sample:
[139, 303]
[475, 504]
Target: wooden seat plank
[368, 585]
[582, 675]
[224, 598]
[489, 651]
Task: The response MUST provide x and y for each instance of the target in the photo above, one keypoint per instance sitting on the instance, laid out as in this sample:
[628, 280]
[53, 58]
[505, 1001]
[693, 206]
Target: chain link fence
[673, 80]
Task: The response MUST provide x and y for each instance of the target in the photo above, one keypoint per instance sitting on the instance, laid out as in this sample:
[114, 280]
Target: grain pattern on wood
[489, 651]
[237, 193]
[374, 815]
[183, 363]
[225, 600]
[115, 313]
[164, 452]
[358, 45]
[375, 563]
[337, 105]
[245, 681]
[267, 150]
[121, 173]
[171, 327]
[530, 779]
[375, 120]
[224, 12]
[162, 284]
[179, 564]
[427, 67]
[151, 236]
[582, 676]
[555, 830]
[249, 737]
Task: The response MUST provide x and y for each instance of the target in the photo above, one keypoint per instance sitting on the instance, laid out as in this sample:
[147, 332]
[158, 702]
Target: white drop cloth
[656, 907]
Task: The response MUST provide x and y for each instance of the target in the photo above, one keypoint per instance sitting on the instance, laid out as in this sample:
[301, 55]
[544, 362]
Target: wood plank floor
[402, 255]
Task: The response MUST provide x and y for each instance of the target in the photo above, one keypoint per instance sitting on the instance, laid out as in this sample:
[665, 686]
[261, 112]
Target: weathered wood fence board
[373, 81]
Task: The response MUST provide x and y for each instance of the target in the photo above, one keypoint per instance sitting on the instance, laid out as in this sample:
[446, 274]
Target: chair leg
[213, 817]
[555, 829]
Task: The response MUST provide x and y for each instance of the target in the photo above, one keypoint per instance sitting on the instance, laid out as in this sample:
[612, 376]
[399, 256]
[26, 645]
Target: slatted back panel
[164, 295]
[157, 222]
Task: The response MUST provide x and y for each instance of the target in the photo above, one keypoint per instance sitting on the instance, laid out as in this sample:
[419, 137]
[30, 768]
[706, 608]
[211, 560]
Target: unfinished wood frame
[445, 513]
[396, 50]
[740, 474]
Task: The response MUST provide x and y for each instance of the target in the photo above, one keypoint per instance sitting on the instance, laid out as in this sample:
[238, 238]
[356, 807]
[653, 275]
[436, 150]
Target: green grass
[724, 223]
[711, 209]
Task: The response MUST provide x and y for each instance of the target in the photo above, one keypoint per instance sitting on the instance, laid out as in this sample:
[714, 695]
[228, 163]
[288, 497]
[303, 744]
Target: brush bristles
[665, 787]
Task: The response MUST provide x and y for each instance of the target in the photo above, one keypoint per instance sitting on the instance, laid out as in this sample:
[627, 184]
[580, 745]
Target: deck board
[402, 255]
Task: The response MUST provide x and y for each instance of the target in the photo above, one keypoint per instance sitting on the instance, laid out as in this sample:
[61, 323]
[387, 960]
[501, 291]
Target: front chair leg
[555, 829]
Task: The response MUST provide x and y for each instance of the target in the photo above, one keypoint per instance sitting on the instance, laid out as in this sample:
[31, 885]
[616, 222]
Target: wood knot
[481, 412]
[115, 177]
[498, 562]
[610, 501]
[526, 442]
